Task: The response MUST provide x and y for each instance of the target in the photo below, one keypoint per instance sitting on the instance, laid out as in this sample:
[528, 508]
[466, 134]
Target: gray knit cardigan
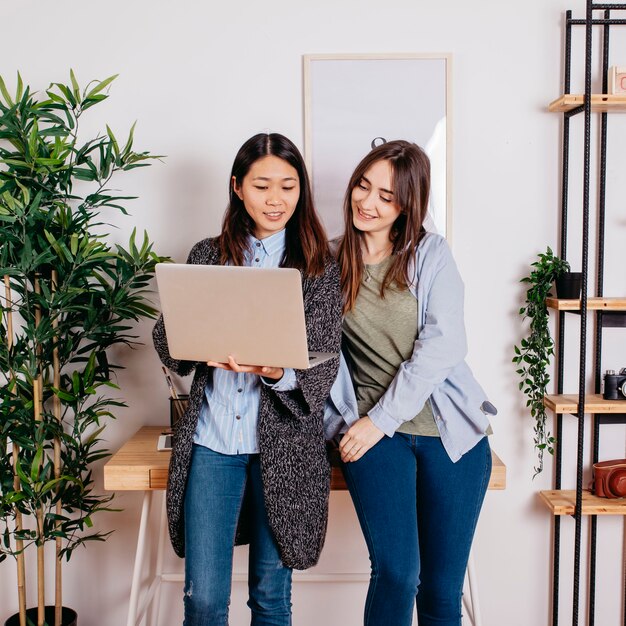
[294, 466]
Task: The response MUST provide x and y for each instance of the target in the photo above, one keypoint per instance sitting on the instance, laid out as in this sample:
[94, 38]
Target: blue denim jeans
[213, 501]
[418, 512]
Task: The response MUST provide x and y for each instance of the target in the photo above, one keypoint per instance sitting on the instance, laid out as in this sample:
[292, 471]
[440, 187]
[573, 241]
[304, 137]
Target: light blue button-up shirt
[228, 418]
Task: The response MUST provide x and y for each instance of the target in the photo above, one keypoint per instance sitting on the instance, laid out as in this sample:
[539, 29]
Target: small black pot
[568, 285]
[68, 617]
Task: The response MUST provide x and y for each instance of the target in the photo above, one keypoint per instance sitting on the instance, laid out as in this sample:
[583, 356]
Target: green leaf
[26, 193]
[33, 139]
[83, 173]
[116, 148]
[69, 97]
[89, 102]
[55, 97]
[101, 85]
[20, 88]
[75, 87]
[5, 93]
[129, 142]
[15, 162]
[36, 464]
[64, 395]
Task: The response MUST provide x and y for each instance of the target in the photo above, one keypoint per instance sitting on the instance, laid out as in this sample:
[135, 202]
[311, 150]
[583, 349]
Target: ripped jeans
[213, 500]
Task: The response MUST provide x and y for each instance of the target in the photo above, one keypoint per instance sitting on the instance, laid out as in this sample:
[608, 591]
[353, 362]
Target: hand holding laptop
[275, 373]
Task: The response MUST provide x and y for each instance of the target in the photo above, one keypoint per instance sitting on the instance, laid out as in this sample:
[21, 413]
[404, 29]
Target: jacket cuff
[382, 420]
[288, 381]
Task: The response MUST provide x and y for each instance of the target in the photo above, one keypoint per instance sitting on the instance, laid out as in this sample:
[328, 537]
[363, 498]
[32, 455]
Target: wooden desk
[139, 466]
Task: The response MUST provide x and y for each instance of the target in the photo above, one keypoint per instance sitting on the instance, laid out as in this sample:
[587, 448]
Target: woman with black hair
[248, 461]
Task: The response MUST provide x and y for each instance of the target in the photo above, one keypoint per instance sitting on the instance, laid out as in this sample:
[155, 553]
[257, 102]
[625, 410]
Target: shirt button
[239, 390]
[258, 244]
[256, 260]
[238, 417]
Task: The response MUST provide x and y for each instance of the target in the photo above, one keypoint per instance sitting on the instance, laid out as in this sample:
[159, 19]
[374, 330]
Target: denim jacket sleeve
[441, 344]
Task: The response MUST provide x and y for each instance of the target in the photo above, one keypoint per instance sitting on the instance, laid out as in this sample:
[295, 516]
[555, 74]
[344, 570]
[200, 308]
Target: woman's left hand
[361, 436]
[274, 373]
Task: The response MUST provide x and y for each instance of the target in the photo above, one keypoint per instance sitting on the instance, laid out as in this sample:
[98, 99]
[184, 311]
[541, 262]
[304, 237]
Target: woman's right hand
[361, 436]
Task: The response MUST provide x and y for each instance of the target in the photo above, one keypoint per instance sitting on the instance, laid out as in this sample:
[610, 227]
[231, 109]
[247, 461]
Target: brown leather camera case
[609, 478]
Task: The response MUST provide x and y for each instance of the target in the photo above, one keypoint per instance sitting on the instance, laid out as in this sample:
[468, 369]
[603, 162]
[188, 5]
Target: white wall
[202, 77]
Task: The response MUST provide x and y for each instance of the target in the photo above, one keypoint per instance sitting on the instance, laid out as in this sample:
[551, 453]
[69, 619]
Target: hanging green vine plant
[534, 351]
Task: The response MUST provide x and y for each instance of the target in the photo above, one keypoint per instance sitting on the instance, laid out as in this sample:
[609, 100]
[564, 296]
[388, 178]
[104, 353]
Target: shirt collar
[274, 244]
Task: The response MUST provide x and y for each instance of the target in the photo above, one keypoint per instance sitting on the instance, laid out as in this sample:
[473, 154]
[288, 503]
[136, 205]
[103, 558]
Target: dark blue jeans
[213, 500]
[418, 512]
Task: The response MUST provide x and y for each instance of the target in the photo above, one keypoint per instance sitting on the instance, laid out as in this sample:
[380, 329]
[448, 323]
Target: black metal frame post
[602, 319]
[583, 316]
[556, 553]
[593, 522]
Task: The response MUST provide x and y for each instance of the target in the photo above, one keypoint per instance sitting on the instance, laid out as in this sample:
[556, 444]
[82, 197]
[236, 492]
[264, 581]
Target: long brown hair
[306, 245]
[411, 185]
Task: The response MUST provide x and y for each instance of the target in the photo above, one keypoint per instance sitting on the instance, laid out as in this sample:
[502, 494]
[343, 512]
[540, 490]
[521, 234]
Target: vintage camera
[609, 478]
[615, 385]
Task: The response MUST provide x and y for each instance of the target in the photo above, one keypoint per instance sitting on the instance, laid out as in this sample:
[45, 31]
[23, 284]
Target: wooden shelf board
[594, 403]
[599, 103]
[593, 304]
[497, 480]
[563, 502]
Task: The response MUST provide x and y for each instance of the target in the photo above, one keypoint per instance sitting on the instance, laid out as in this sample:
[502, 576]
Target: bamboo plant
[68, 296]
[533, 354]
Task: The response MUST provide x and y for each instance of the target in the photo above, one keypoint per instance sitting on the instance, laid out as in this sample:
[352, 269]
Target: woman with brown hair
[249, 460]
[409, 416]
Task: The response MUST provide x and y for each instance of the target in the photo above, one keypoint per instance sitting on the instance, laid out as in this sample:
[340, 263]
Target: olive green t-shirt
[379, 334]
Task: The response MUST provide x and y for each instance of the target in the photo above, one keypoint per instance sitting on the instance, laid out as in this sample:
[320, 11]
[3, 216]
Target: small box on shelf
[617, 80]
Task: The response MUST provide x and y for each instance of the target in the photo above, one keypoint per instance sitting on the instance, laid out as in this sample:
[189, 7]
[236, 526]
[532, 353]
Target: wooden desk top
[139, 466]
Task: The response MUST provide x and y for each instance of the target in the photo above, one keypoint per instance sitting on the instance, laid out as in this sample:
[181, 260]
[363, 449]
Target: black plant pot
[68, 617]
[568, 285]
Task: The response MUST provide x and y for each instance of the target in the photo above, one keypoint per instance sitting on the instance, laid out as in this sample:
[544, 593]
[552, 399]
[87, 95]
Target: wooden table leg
[139, 558]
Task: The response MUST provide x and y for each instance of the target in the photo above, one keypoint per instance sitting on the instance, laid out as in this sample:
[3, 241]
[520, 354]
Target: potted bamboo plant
[532, 356]
[67, 296]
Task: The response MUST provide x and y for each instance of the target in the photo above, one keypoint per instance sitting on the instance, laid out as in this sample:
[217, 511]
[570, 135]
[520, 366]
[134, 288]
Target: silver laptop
[254, 314]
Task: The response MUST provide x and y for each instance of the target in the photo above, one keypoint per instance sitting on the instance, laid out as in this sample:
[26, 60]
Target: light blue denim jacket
[436, 372]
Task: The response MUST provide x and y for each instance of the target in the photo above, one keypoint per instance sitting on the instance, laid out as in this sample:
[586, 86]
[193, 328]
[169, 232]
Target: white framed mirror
[352, 99]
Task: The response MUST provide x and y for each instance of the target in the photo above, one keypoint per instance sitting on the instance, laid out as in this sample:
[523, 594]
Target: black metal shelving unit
[605, 312]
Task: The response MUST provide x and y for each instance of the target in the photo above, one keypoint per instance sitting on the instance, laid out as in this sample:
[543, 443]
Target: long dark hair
[411, 186]
[306, 245]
